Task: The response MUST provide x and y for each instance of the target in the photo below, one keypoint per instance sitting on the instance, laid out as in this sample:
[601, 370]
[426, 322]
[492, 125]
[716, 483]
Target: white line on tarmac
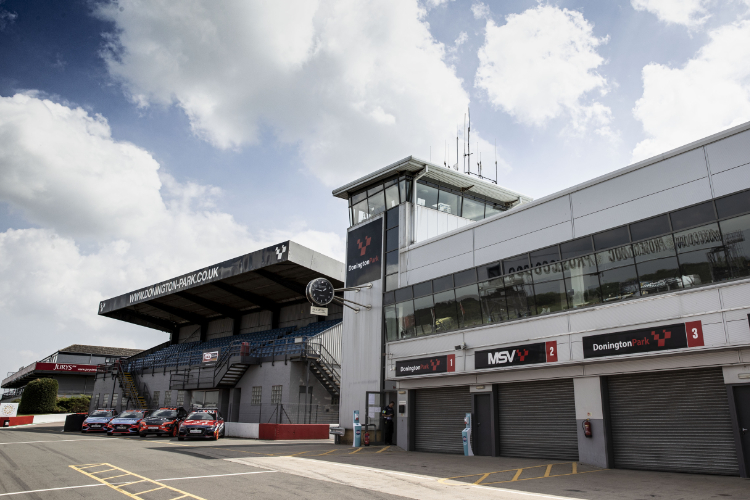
[52, 441]
[123, 482]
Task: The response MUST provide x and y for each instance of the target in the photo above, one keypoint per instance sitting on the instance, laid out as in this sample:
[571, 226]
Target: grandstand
[241, 334]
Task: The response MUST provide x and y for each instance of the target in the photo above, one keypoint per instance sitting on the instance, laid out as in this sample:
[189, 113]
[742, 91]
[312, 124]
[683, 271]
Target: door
[742, 406]
[676, 421]
[481, 441]
[374, 417]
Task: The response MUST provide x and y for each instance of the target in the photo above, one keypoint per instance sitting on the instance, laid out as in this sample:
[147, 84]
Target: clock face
[320, 292]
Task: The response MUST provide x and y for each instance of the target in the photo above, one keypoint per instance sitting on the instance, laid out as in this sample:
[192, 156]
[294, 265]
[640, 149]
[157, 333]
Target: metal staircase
[324, 367]
[129, 387]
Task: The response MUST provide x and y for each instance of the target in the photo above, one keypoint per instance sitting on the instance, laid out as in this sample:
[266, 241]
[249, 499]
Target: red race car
[202, 423]
[126, 423]
[162, 422]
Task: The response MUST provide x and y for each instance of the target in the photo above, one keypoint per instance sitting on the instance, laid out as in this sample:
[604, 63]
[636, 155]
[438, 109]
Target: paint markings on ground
[134, 489]
[521, 474]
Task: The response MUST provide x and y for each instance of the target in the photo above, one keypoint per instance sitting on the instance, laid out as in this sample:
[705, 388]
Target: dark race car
[162, 422]
[202, 423]
[126, 423]
[97, 420]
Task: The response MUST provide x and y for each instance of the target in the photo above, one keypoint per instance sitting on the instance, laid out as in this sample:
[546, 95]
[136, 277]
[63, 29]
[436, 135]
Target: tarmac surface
[41, 462]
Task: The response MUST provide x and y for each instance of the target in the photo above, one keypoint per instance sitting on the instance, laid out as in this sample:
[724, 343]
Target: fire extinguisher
[587, 428]
[367, 437]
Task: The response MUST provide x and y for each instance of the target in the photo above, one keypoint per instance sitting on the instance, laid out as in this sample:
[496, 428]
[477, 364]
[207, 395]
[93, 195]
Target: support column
[590, 405]
[404, 419]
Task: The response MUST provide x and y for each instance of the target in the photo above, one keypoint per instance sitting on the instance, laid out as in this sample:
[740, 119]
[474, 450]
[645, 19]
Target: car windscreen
[130, 414]
[200, 416]
[164, 414]
[100, 414]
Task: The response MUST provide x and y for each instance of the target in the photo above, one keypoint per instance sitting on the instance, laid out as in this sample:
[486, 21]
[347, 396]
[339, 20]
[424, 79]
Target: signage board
[319, 311]
[528, 354]
[652, 339]
[210, 356]
[63, 367]
[364, 254]
[8, 409]
[424, 366]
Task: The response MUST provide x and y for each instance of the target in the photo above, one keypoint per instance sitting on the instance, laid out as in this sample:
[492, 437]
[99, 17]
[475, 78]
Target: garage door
[439, 419]
[538, 420]
[672, 421]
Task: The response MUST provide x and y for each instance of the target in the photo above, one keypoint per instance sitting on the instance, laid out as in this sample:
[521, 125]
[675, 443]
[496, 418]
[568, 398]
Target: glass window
[276, 391]
[548, 272]
[492, 297]
[692, 216]
[550, 297]
[375, 189]
[703, 267]
[736, 234]
[733, 204]
[655, 248]
[545, 256]
[619, 284]
[473, 209]
[389, 298]
[405, 188]
[391, 282]
[698, 238]
[391, 239]
[579, 266]
[256, 395]
[390, 183]
[427, 196]
[465, 277]
[391, 197]
[444, 283]
[391, 262]
[376, 203]
[492, 209]
[449, 202]
[612, 238]
[649, 227]
[360, 213]
[424, 315]
[660, 275]
[519, 295]
[391, 218]
[517, 263]
[469, 310]
[445, 312]
[154, 399]
[575, 248]
[403, 294]
[614, 257]
[391, 323]
[422, 289]
[359, 197]
[405, 317]
[490, 271]
[583, 289]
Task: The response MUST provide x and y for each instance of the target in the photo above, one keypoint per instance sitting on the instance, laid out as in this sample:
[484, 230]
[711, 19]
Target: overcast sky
[143, 139]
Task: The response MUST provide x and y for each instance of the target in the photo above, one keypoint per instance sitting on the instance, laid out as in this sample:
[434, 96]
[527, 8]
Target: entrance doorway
[742, 407]
[374, 417]
[482, 432]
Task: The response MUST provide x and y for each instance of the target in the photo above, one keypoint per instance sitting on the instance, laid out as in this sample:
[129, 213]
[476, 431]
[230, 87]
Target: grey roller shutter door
[439, 419]
[672, 421]
[538, 420]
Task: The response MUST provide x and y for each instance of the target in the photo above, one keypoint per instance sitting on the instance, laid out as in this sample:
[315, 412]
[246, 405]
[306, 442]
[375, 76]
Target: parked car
[98, 419]
[162, 422]
[126, 423]
[202, 423]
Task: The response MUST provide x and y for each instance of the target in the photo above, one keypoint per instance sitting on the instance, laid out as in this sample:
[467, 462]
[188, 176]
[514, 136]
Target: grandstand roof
[98, 350]
[262, 280]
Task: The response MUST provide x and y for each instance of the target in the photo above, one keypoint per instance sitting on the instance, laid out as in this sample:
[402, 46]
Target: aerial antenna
[467, 151]
[456, 148]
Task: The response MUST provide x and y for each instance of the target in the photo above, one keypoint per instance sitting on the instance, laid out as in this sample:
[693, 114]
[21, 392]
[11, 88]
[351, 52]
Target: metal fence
[291, 413]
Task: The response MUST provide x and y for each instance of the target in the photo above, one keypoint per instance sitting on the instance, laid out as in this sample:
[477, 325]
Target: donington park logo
[280, 252]
[363, 248]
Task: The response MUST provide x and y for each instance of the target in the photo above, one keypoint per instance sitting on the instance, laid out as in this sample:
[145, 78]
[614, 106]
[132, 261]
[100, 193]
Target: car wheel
[180, 438]
[142, 434]
[109, 434]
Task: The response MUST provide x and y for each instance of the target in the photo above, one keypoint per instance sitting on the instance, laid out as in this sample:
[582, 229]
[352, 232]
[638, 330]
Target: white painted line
[124, 482]
[55, 441]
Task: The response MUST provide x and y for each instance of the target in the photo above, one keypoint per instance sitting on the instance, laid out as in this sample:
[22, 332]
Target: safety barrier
[293, 431]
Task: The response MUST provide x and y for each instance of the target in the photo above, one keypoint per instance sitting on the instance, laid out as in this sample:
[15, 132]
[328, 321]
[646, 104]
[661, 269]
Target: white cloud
[689, 13]
[354, 86]
[710, 93]
[541, 64]
[480, 10]
[109, 222]
[431, 4]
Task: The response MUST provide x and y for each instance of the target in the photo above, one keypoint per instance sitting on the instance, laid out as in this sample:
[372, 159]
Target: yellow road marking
[548, 471]
[326, 453]
[355, 451]
[575, 467]
[119, 487]
[484, 476]
[381, 451]
[517, 475]
[112, 477]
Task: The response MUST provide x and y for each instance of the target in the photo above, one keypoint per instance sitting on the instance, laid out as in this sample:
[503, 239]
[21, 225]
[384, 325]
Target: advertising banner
[210, 357]
[8, 409]
[61, 367]
[422, 366]
[656, 338]
[529, 354]
[364, 254]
